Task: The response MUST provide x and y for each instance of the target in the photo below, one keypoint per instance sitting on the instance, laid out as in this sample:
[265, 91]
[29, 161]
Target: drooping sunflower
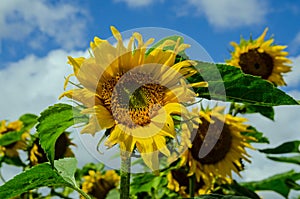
[133, 92]
[11, 150]
[218, 146]
[178, 181]
[261, 58]
[62, 149]
[98, 185]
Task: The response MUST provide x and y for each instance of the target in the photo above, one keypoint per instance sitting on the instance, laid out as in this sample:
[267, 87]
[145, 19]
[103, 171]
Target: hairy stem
[125, 175]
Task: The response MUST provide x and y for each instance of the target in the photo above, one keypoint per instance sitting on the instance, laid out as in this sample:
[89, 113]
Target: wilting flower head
[178, 181]
[133, 93]
[11, 150]
[218, 145]
[62, 149]
[261, 58]
[98, 185]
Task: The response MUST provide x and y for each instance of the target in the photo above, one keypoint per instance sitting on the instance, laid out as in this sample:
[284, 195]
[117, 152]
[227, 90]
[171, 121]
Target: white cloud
[295, 44]
[33, 83]
[62, 22]
[293, 78]
[138, 3]
[229, 13]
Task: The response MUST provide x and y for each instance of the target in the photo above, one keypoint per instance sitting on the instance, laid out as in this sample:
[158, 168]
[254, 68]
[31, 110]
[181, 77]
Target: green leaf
[259, 136]
[53, 122]
[157, 44]
[15, 161]
[35, 177]
[113, 194]
[236, 189]
[218, 196]
[231, 84]
[29, 120]
[287, 147]
[66, 169]
[292, 159]
[180, 56]
[266, 111]
[11, 137]
[280, 183]
[43, 175]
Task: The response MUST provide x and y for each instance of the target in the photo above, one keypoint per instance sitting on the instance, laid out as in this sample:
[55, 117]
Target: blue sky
[37, 36]
[70, 25]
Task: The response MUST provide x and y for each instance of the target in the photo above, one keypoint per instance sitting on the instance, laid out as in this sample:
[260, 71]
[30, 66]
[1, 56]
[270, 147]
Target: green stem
[192, 186]
[83, 193]
[125, 175]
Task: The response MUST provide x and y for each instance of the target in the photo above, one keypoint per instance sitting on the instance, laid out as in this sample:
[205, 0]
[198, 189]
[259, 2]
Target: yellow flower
[218, 147]
[261, 58]
[133, 94]
[98, 185]
[178, 181]
[11, 150]
[62, 149]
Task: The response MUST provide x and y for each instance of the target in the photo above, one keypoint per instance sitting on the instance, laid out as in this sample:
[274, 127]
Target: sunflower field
[166, 125]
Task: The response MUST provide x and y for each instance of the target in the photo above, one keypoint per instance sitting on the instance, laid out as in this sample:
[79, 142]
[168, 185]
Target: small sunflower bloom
[62, 149]
[133, 93]
[261, 58]
[98, 185]
[11, 150]
[178, 181]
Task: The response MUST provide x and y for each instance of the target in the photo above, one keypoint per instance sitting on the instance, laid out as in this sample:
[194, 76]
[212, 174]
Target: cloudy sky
[37, 36]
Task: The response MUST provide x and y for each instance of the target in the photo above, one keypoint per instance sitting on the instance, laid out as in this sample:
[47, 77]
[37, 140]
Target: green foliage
[157, 44]
[266, 111]
[11, 137]
[288, 147]
[43, 175]
[280, 183]
[35, 177]
[228, 83]
[259, 136]
[148, 185]
[237, 190]
[53, 122]
[218, 196]
[29, 120]
[292, 159]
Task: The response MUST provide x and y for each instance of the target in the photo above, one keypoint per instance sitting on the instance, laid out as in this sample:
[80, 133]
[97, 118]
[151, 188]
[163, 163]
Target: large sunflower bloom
[98, 185]
[261, 58]
[133, 93]
[11, 150]
[218, 146]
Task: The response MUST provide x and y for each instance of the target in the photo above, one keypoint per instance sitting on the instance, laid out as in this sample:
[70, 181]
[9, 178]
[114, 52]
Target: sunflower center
[256, 63]
[206, 136]
[132, 101]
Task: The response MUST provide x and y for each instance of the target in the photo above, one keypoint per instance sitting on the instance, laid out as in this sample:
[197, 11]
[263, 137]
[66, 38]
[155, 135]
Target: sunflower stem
[125, 175]
[1, 177]
[192, 186]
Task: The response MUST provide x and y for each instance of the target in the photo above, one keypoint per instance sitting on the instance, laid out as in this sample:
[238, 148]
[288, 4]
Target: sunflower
[62, 149]
[218, 146]
[133, 93]
[178, 181]
[261, 58]
[98, 185]
[11, 150]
